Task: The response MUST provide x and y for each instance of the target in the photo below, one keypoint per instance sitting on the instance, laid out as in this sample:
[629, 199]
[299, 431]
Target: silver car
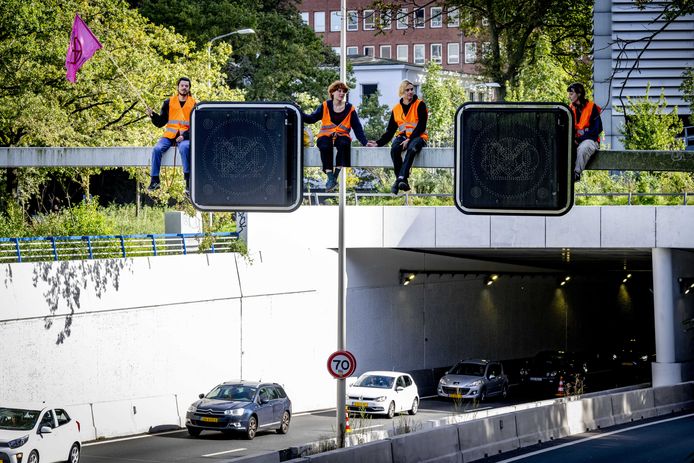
[474, 379]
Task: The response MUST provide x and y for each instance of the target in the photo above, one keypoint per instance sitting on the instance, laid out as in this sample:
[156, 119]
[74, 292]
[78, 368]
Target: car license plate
[361, 404]
[457, 396]
[209, 419]
[535, 378]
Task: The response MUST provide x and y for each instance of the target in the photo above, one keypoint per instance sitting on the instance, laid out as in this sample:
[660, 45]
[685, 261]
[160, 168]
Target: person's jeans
[160, 148]
[583, 153]
[402, 168]
[342, 144]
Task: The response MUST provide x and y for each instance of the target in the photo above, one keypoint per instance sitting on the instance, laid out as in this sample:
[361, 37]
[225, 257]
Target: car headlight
[13, 444]
[235, 412]
[443, 381]
[475, 383]
[552, 374]
[191, 409]
[381, 398]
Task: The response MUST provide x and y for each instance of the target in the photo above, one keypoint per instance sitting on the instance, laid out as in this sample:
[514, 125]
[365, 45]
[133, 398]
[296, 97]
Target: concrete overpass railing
[134, 156]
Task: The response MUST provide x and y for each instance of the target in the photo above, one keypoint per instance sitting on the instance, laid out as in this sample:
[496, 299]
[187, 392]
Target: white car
[33, 433]
[383, 393]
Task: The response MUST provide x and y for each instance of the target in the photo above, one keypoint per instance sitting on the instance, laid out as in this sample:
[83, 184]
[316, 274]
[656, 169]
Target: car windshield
[17, 419]
[236, 392]
[381, 382]
[467, 369]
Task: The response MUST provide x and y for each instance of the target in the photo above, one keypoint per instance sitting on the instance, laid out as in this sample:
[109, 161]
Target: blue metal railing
[46, 248]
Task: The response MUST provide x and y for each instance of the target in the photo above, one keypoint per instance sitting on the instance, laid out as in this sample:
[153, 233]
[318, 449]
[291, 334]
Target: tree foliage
[687, 88]
[513, 29]
[443, 95]
[375, 114]
[282, 58]
[649, 126]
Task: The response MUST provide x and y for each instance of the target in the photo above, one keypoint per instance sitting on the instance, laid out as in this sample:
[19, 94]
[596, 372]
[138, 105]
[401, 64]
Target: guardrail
[317, 198]
[47, 248]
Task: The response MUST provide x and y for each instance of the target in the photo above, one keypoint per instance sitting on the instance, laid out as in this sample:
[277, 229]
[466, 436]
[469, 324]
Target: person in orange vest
[587, 125]
[408, 122]
[175, 115]
[338, 118]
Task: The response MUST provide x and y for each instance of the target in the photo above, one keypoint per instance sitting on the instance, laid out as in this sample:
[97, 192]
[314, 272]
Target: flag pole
[139, 95]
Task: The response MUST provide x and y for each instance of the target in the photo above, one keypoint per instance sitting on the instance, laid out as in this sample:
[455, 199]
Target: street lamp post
[209, 44]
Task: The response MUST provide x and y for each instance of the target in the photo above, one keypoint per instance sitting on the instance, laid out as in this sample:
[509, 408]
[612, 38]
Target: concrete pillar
[665, 370]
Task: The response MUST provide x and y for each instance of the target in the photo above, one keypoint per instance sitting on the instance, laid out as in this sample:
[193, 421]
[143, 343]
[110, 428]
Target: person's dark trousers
[325, 146]
[402, 168]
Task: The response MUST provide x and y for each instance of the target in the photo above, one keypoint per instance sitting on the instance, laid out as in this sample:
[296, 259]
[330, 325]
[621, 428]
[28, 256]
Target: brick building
[435, 34]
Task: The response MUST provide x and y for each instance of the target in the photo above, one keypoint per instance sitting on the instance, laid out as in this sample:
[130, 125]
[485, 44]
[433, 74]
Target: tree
[39, 107]
[284, 56]
[687, 88]
[443, 95]
[649, 127]
[513, 28]
[375, 114]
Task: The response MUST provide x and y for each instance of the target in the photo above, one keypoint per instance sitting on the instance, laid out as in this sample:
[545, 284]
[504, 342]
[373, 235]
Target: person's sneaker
[153, 185]
[394, 188]
[404, 186]
[331, 183]
[577, 176]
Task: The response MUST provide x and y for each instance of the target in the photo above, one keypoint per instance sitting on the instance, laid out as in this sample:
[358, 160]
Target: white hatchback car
[35, 432]
[383, 393]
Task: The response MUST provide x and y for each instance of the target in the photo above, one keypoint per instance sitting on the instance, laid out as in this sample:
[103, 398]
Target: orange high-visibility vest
[584, 122]
[407, 122]
[327, 127]
[179, 116]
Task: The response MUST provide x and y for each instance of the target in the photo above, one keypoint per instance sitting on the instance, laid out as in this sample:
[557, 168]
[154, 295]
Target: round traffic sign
[341, 364]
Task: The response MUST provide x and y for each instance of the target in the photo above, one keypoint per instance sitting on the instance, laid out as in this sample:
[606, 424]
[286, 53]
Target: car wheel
[252, 428]
[195, 432]
[415, 406]
[391, 410]
[33, 457]
[284, 425]
[74, 455]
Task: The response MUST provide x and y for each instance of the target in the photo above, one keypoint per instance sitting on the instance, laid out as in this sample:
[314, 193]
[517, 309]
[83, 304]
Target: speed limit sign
[341, 364]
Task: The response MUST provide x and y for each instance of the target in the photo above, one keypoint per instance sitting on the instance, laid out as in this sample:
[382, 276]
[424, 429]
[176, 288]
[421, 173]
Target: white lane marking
[598, 436]
[222, 453]
[110, 441]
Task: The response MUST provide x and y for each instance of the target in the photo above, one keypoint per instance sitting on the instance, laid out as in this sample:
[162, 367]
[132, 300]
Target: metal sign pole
[342, 270]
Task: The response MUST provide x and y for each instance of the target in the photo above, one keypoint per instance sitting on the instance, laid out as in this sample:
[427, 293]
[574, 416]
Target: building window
[352, 51]
[436, 53]
[335, 21]
[470, 52]
[418, 52]
[453, 19]
[402, 18]
[369, 20]
[319, 21]
[367, 90]
[419, 18]
[336, 50]
[436, 16]
[385, 19]
[453, 53]
[385, 51]
[369, 50]
[304, 17]
[402, 53]
[486, 49]
[352, 21]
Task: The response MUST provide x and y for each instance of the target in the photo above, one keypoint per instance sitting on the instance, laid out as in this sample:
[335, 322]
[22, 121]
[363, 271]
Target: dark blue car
[241, 406]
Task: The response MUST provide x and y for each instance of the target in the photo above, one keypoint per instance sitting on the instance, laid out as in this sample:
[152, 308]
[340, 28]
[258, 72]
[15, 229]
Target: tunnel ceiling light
[686, 284]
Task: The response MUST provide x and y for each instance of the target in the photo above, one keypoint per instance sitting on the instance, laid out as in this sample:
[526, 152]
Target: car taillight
[79, 428]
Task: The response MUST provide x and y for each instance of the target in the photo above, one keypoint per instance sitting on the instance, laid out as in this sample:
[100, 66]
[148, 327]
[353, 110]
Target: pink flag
[83, 44]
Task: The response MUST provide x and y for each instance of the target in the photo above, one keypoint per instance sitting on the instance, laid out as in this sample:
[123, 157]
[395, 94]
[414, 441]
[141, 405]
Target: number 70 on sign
[341, 364]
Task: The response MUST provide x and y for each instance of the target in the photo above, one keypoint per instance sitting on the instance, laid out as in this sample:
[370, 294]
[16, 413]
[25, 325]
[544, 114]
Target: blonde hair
[403, 86]
[338, 84]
